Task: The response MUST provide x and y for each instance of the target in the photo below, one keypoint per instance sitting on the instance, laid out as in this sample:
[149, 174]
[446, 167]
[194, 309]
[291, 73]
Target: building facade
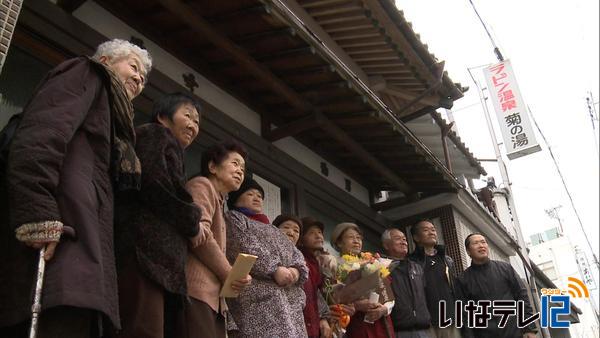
[558, 259]
[336, 100]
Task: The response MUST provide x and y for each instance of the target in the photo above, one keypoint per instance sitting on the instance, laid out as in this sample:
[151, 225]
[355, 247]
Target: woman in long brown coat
[74, 143]
[154, 226]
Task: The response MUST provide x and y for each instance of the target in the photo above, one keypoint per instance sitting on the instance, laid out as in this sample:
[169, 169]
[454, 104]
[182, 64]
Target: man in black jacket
[439, 275]
[410, 315]
[488, 280]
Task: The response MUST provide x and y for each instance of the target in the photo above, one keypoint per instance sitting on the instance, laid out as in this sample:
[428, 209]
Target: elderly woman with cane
[74, 146]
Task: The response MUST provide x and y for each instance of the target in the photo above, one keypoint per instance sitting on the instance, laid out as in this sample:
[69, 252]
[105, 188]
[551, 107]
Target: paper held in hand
[240, 269]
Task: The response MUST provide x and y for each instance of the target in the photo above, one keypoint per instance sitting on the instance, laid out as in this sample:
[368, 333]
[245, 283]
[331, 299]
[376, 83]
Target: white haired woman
[75, 144]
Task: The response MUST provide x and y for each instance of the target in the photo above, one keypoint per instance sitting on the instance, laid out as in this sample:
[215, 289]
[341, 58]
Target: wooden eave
[376, 36]
[255, 56]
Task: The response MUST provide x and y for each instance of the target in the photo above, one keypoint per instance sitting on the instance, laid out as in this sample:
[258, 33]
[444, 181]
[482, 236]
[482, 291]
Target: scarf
[252, 215]
[125, 166]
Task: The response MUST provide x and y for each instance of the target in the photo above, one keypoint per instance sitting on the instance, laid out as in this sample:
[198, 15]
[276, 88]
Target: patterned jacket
[265, 309]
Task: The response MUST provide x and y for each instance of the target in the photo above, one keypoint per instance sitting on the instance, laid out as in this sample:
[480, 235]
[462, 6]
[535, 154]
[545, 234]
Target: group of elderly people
[134, 248]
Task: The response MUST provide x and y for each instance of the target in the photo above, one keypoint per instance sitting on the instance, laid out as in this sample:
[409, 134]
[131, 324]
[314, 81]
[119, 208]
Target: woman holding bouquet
[371, 319]
[272, 305]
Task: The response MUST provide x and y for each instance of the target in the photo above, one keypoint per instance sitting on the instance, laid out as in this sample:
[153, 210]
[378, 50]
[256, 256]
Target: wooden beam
[291, 129]
[70, 5]
[391, 203]
[247, 37]
[379, 168]
[380, 14]
[321, 3]
[336, 9]
[334, 19]
[196, 22]
[363, 42]
[430, 100]
[345, 26]
[378, 56]
[353, 34]
[368, 50]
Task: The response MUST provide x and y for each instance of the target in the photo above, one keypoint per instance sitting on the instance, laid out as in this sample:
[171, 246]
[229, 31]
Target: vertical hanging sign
[511, 111]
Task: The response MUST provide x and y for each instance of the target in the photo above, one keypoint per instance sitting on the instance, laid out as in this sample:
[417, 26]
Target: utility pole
[554, 214]
[532, 291]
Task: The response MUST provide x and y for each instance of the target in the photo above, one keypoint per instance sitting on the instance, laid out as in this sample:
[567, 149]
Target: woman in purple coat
[74, 147]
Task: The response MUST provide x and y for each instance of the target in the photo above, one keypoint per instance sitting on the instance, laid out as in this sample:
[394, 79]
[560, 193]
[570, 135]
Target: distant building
[558, 259]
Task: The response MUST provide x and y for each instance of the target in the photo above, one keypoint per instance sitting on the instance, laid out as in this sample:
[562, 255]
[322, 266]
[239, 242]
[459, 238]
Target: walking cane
[37, 298]
[36, 308]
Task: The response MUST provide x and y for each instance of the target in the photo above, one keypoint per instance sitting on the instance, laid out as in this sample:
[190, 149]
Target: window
[20, 75]
[272, 198]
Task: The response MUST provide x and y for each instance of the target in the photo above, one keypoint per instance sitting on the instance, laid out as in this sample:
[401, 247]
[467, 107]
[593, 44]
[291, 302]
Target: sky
[553, 46]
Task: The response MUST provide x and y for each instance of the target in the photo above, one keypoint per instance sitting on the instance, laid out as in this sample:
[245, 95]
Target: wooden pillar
[445, 131]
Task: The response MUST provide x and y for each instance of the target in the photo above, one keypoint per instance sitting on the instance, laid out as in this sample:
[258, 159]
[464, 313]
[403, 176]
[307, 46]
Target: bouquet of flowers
[356, 278]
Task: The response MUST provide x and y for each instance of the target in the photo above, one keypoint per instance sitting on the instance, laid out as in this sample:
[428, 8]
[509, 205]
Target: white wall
[102, 21]
[463, 228]
[504, 212]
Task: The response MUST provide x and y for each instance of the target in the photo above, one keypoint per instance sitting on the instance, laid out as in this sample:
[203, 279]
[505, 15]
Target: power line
[496, 49]
[587, 238]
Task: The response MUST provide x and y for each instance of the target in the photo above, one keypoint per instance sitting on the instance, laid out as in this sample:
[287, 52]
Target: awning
[274, 63]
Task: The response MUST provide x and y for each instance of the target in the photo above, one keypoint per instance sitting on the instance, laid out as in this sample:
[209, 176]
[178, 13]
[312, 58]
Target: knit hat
[248, 184]
[309, 222]
[283, 218]
[339, 230]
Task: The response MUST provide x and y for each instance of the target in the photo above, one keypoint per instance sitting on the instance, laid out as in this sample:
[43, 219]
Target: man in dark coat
[410, 315]
[487, 279]
[439, 274]
[74, 144]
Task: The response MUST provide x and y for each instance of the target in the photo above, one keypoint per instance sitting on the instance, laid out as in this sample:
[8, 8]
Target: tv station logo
[554, 303]
[557, 302]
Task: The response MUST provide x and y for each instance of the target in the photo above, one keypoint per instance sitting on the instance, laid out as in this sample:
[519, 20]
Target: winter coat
[439, 282]
[264, 309]
[58, 170]
[494, 280]
[312, 288]
[153, 225]
[410, 307]
[358, 328]
[207, 265]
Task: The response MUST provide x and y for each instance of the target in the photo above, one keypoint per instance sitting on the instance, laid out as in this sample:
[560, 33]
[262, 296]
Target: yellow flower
[384, 272]
[350, 258]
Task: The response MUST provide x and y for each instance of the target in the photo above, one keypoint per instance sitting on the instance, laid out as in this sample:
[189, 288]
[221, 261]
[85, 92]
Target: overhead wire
[587, 238]
[501, 58]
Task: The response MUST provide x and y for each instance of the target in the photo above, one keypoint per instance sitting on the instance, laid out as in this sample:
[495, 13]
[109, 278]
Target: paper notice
[240, 269]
